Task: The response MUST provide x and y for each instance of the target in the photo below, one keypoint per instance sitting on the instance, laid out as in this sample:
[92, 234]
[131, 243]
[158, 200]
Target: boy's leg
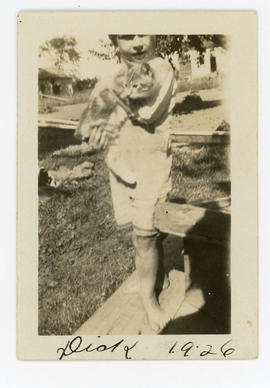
[148, 259]
[162, 280]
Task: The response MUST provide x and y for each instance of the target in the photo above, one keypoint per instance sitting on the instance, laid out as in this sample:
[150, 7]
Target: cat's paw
[127, 177]
[145, 113]
[131, 179]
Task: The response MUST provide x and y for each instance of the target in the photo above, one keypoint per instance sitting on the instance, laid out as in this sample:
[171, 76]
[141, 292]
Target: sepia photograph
[132, 161]
[134, 185]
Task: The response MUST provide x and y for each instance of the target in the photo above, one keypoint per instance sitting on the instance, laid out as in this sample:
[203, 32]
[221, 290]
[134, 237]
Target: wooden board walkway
[123, 313]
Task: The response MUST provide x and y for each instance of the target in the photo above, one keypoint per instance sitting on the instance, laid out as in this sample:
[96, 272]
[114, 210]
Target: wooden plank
[123, 313]
[58, 124]
[58, 121]
[221, 204]
[116, 315]
[198, 223]
[199, 137]
[54, 97]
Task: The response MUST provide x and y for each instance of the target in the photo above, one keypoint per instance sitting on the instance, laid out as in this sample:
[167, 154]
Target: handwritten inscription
[186, 349]
[75, 346]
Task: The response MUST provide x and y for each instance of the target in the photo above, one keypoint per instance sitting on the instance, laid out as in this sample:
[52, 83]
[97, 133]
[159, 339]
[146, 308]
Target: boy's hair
[113, 38]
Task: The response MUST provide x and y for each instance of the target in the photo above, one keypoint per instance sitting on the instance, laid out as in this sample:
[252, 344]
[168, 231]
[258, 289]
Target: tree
[176, 48]
[182, 44]
[61, 51]
[107, 50]
[172, 47]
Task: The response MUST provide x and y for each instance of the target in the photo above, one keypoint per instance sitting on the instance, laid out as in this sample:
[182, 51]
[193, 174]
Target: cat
[111, 104]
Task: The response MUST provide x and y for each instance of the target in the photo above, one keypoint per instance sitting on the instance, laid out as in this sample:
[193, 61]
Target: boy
[144, 149]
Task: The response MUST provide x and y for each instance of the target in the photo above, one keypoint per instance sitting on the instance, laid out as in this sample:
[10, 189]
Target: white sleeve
[150, 114]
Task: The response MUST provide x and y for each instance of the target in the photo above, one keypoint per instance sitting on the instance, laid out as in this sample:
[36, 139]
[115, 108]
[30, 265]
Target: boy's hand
[98, 139]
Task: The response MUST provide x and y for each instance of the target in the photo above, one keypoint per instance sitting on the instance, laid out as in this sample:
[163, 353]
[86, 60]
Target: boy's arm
[149, 114]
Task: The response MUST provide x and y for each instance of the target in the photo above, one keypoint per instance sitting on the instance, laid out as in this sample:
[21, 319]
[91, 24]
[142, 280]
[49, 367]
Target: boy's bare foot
[157, 317]
[134, 286]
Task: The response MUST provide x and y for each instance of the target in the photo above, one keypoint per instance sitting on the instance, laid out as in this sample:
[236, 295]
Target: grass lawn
[83, 257]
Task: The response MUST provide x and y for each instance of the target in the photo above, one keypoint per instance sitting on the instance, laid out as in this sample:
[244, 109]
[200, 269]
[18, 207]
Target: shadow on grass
[204, 166]
[178, 200]
[224, 186]
[51, 139]
[203, 161]
[45, 192]
[202, 169]
[189, 106]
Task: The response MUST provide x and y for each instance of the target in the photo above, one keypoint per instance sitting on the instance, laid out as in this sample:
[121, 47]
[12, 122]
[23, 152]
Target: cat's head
[140, 81]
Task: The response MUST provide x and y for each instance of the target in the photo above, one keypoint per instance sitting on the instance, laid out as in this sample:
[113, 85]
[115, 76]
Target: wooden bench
[203, 221]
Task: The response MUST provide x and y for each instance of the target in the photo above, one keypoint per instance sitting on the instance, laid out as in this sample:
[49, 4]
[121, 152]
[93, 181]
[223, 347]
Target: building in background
[213, 63]
[54, 82]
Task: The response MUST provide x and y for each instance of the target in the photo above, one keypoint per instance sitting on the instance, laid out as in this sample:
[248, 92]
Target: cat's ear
[146, 69]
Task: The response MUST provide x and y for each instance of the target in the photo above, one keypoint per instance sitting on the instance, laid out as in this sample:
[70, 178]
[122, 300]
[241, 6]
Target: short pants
[130, 208]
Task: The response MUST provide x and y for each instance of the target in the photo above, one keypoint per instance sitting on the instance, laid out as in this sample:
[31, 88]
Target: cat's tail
[118, 167]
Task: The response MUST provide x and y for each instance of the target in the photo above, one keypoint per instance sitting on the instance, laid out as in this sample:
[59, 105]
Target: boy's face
[136, 48]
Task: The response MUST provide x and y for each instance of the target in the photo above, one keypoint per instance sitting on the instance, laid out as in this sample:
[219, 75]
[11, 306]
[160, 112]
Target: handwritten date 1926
[189, 348]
